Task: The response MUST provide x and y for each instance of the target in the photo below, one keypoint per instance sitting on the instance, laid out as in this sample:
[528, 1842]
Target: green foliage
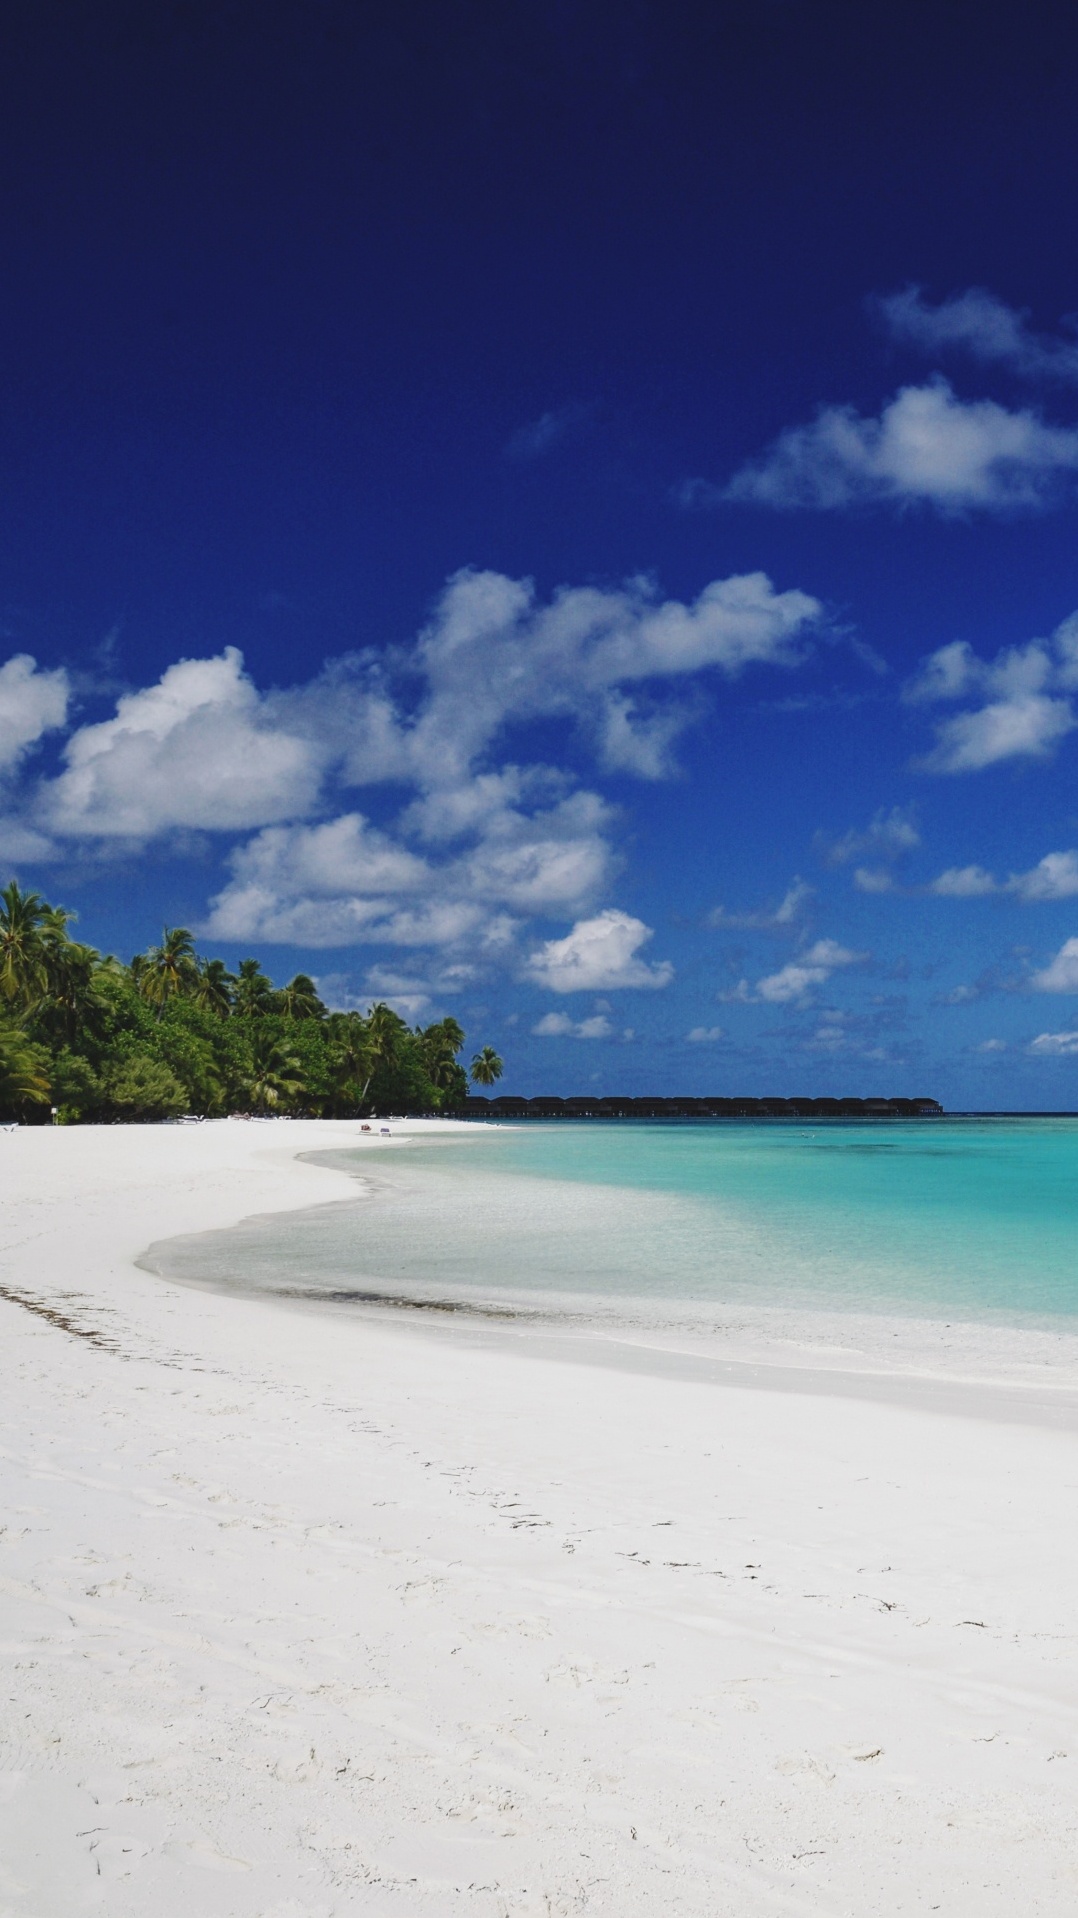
[76, 1089]
[276, 1077]
[438, 1047]
[172, 1033]
[487, 1067]
[453, 1088]
[145, 1089]
[214, 987]
[24, 1071]
[24, 940]
[299, 999]
[168, 969]
[253, 994]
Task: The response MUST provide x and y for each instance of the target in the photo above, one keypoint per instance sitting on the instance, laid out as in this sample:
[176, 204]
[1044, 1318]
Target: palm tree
[23, 1076]
[349, 1059]
[254, 992]
[24, 917]
[299, 999]
[169, 969]
[439, 1045]
[360, 1048]
[451, 1032]
[73, 972]
[276, 1074]
[55, 924]
[385, 1031]
[487, 1067]
[213, 992]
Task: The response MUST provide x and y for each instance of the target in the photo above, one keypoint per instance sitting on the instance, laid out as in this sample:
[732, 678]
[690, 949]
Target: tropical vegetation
[85, 1037]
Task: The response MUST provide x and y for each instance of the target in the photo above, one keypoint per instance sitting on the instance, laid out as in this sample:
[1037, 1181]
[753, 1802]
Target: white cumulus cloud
[344, 881]
[1026, 726]
[205, 749]
[780, 918]
[887, 839]
[927, 448]
[598, 955]
[1020, 704]
[1061, 973]
[18, 841]
[493, 653]
[336, 884]
[795, 981]
[888, 836]
[1054, 1045]
[478, 845]
[1053, 877]
[199, 749]
[705, 1035]
[964, 882]
[980, 324]
[875, 879]
[558, 1025]
[546, 862]
[33, 702]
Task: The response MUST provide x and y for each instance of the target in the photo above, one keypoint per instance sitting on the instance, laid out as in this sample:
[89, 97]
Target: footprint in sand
[803, 1765]
[200, 1851]
[117, 1853]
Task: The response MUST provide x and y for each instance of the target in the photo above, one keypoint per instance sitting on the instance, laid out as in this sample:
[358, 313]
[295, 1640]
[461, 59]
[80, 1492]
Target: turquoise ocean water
[970, 1218]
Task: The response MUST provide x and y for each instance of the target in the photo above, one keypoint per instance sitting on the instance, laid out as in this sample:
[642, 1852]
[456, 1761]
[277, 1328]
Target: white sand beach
[322, 1615]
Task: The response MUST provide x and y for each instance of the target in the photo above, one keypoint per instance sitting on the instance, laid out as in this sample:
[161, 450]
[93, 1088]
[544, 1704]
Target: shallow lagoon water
[971, 1218]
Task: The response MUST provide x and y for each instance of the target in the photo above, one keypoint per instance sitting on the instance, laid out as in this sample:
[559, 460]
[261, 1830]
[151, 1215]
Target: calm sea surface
[976, 1218]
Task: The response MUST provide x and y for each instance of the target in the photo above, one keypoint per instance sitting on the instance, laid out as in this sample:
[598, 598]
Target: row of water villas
[625, 1108]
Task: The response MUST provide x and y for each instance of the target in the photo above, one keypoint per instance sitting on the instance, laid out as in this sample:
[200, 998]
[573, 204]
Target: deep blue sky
[309, 307]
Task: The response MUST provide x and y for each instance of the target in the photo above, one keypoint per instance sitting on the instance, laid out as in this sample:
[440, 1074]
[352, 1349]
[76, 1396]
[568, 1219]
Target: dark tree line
[174, 1033]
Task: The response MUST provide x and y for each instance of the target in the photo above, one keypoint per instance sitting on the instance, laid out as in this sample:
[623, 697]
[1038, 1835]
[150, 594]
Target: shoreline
[884, 1351]
[313, 1615]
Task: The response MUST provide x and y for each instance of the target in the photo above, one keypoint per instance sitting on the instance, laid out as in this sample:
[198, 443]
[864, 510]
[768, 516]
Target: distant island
[505, 1107]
